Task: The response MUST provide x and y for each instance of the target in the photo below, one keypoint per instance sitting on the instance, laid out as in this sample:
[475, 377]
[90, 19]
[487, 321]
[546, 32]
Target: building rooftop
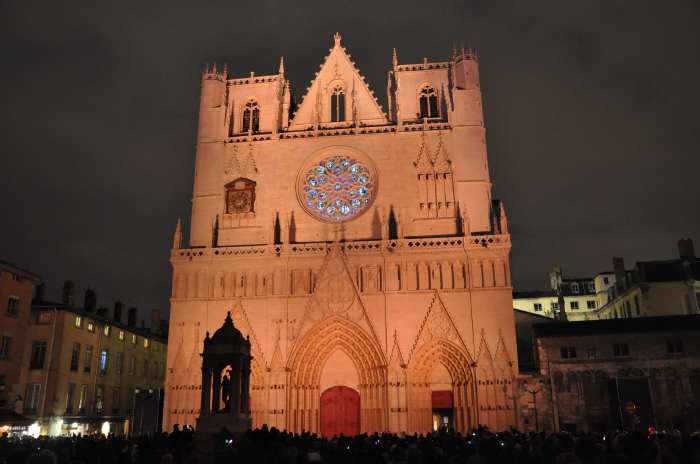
[615, 326]
[534, 294]
[672, 270]
[18, 270]
[105, 320]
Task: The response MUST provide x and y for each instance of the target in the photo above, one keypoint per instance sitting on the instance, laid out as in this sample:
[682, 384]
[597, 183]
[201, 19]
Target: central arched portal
[340, 412]
[336, 353]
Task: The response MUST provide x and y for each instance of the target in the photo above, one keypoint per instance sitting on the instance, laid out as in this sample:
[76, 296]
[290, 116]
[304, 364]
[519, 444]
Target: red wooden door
[340, 412]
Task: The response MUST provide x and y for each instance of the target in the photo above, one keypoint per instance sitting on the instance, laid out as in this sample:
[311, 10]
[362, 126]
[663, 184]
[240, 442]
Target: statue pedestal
[209, 439]
[212, 424]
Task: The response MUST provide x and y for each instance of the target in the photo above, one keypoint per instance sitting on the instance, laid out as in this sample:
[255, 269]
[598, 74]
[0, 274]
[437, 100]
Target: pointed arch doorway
[340, 411]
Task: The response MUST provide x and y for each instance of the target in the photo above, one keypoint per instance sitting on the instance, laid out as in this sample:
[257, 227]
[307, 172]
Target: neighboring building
[652, 288]
[359, 250]
[602, 375]
[582, 297]
[82, 369]
[16, 291]
[655, 288]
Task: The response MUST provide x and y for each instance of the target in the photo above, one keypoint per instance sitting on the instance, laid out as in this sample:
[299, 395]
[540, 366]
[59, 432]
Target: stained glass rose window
[337, 188]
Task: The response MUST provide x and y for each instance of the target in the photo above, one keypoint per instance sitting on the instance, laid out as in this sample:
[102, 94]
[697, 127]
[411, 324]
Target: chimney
[686, 250]
[68, 294]
[620, 274]
[118, 308]
[40, 292]
[90, 300]
[155, 321]
[131, 318]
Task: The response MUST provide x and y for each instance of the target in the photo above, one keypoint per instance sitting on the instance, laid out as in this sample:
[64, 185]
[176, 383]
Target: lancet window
[428, 102]
[337, 104]
[251, 117]
[240, 196]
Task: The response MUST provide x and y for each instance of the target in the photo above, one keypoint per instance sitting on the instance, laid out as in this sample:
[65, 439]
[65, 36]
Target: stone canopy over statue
[225, 381]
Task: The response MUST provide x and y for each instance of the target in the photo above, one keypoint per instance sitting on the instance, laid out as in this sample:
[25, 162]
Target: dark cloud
[591, 111]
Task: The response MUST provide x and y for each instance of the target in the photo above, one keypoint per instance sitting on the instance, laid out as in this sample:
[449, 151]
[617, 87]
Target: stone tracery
[337, 188]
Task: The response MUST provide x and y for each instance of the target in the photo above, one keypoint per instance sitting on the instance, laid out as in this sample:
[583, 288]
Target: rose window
[337, 188]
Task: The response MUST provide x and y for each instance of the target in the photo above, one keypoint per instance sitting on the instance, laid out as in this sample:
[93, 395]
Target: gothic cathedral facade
[359, 249]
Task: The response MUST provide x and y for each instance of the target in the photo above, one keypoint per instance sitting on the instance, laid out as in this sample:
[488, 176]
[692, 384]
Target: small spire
[225, 71]
[454, 51]
[281, 70]
[177, 237]
[394, 58]
[228, 318]
[336, 38]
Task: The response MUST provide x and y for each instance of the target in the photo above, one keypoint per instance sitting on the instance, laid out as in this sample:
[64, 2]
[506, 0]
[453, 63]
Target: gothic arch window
[240, 196]
[251, 117]
[428, 102]
[337, 104]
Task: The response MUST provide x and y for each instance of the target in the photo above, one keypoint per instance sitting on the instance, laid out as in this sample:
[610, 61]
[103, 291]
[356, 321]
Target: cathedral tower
[359, 250]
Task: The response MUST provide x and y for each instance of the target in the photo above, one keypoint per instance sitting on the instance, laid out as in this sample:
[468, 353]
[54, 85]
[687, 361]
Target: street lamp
[534, 390]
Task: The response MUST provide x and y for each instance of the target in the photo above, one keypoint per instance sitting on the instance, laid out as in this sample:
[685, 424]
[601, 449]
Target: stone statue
[226, 391]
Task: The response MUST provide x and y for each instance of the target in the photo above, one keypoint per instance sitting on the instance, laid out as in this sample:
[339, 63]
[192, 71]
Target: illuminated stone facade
[402, 298]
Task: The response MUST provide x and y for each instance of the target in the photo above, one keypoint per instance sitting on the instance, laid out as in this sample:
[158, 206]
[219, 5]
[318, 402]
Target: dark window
[38, 355]
[428, 102]
[606, 281]
[83, 401]
[621, 349]
[538, 306]
[69, 398]
[115, 401]
[590, 304]
[559, 382]
[575, 288]
[337, 104]
[120, 363]
[75, 357]
[251, 117]
[568, 352]
[31, 399]
[99, 400]
[5, 346]
[12, 306]
[88, 359]
[574, 304]
[675, 346]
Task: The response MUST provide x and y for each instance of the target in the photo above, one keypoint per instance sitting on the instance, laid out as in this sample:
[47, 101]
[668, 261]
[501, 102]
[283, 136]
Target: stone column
[245, 386]
[216, 404]
[206, 389]
[236, 385]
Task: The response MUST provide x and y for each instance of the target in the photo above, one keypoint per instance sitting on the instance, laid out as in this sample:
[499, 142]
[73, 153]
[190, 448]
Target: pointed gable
[337, 70]
[335, 295]
[241, 321]
[437, 325]
[396, 360]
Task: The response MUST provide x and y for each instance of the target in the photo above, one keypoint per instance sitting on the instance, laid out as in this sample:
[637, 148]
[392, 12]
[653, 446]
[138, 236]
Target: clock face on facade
[239, 201]
[337, 188]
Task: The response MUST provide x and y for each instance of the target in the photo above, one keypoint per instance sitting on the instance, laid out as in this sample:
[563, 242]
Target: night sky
[591, 114]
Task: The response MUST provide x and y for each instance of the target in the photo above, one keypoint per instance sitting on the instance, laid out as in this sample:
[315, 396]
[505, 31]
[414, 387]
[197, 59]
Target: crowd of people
[268, 446]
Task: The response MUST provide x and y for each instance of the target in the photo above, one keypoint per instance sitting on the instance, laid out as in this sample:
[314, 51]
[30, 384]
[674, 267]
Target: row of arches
[392, 395]
[400, 276]
[250, 115]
